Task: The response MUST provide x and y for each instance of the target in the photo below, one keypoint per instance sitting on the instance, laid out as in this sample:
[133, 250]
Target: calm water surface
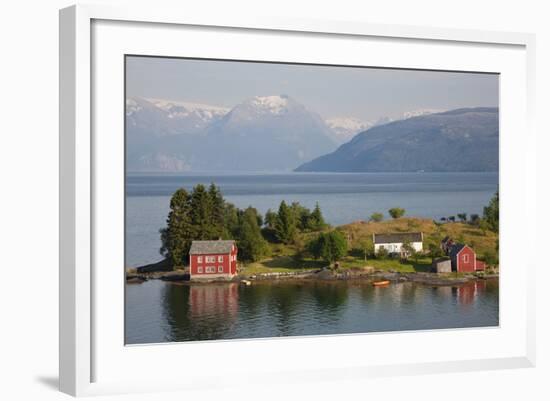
[162, 312]
[343, 197]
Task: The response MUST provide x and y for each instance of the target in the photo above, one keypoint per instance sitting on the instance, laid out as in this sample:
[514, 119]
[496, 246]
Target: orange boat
[381, 283]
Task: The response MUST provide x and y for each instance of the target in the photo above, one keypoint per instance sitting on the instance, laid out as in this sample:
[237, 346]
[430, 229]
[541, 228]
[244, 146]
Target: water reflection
[200, 312]
[158, 311]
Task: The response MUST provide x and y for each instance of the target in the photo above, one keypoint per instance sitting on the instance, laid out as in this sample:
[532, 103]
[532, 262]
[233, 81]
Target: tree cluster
[329, 246]
[290, 220]
[203, 214]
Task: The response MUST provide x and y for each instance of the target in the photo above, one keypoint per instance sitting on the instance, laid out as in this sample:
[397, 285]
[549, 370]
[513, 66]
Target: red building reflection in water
[214, 300]
[467, 293]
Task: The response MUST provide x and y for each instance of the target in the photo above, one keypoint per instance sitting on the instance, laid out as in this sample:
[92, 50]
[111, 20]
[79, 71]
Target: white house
[393, 242]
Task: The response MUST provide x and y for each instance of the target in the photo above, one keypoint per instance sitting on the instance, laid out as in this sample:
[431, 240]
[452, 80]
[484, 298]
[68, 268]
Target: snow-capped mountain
[166, 117]
[345, 128]
[175, 136]
[275, 125]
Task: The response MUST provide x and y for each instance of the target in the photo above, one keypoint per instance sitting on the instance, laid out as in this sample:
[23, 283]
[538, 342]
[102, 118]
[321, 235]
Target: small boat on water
[246, 282]
[380, 283]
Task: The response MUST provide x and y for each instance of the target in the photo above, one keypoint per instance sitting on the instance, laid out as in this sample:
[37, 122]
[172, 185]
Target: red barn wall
[229, 263]
[466, 260]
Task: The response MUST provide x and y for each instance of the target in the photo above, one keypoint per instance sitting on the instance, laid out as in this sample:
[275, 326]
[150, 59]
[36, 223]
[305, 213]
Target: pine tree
[285, 225]
[201, 214]
[491, 213]
[270, 218]
[176, 237]
[217, 211]
[316, 220]
[252, 246]
[329, 246]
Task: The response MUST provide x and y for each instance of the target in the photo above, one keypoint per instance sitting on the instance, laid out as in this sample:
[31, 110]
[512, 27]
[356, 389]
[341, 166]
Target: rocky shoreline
[365, 274]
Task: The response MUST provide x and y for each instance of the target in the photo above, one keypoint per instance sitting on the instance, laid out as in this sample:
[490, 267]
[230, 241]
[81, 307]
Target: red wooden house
[212, 259]
[464, 260]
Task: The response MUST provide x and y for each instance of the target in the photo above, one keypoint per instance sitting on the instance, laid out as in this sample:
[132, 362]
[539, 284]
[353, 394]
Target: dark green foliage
[316, 221]
[376, 217]
[270, 218]
[204, 215]
[176, 237]
[285, 225]
[491, 213]
[252, 246]
[463, 217]
[435, 250]
[382, 253]
[367, 248]
[474, 219]
[491, 258]
[328, 246]
[231, 221]
[301, 215]
[217, 205]
[408, 250]
[396, 212]
[451, 218]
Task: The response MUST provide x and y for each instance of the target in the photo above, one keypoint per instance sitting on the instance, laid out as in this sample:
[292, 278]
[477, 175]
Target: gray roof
[455, 249]
[393, 238]
[211, 247]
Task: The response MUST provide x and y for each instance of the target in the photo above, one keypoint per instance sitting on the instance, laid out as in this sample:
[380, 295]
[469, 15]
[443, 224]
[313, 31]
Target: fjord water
[343, 197]
[158, 311]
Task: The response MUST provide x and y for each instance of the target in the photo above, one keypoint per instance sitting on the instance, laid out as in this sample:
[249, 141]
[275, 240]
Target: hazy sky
[365, 93]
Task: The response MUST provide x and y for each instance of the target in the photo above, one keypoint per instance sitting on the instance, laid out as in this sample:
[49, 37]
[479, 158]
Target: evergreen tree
[252, 246]
[176, 237]
[201, 214]
[230, 221]
[316, 220]
[330, 246]
[285, 225]
[301, 215]
[270, 218]
[491, 213]
[217, 211]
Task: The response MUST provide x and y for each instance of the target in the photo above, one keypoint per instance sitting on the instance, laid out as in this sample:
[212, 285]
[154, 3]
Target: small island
[295, 243]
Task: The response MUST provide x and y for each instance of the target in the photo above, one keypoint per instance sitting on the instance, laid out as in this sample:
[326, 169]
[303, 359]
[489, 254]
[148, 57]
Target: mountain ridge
[463, 139]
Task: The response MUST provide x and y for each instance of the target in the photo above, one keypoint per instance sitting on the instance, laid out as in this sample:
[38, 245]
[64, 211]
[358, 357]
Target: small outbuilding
[441, 265]
[464, 260]
[212, 259]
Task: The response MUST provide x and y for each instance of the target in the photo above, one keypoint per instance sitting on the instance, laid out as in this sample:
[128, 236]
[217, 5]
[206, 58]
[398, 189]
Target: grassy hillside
[359, 236]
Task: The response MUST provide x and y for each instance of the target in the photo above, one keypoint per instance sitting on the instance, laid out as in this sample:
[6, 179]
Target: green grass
[281, 264]
[282, 256]
[410, 266]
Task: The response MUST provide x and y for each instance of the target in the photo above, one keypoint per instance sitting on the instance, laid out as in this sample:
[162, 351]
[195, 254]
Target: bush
[396, 212]
[376, 217]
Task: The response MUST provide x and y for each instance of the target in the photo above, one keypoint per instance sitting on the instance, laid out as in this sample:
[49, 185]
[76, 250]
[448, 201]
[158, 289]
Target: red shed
[463, 259]
[212, 259]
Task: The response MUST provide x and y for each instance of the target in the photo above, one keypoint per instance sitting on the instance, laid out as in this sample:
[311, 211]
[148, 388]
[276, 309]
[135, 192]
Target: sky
[331, 91]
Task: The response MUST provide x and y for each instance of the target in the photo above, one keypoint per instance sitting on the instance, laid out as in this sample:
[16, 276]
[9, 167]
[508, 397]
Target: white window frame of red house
[210, 269]
[199, 259]
[220, 269]
[199, 269]
[465, 258]
[220, 258]
[210, 259]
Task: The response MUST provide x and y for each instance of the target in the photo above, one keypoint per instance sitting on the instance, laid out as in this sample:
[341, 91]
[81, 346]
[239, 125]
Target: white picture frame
[93, 358]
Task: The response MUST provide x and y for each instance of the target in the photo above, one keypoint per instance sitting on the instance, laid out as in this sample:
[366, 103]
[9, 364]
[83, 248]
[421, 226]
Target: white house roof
[397, 238]
[211, 247]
